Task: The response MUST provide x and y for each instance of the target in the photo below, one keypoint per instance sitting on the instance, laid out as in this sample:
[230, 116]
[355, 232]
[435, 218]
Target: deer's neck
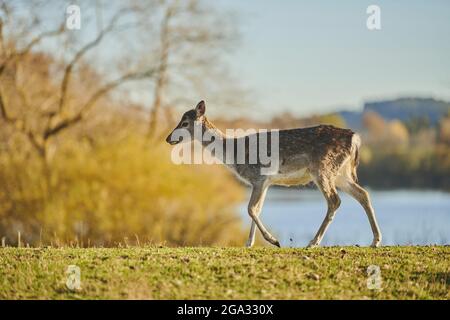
[212, 134]
[209, 129]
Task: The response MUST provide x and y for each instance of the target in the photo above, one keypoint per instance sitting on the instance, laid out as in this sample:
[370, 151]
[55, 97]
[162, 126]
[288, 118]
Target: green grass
[226, 273]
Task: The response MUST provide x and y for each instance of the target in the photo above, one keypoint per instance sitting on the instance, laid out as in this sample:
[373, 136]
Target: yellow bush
[114, 192]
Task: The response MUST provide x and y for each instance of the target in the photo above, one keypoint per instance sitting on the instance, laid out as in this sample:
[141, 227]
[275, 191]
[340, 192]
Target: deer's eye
[184, 124]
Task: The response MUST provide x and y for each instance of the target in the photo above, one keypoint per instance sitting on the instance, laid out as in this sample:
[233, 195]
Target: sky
[318, 56]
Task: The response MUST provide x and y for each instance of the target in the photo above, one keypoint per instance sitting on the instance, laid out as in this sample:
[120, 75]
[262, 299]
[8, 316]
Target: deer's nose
[168, 139]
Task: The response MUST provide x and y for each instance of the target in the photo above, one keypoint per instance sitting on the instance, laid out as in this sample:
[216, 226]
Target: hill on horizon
[403, 109]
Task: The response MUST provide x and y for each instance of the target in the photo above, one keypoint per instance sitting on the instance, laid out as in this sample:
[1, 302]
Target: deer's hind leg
[328, 189]
[347, 182]
[362, 196]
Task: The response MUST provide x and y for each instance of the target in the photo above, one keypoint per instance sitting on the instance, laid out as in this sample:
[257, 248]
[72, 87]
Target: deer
[324, 154]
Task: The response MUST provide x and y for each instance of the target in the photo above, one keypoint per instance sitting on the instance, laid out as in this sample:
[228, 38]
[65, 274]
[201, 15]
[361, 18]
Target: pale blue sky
[318, 56]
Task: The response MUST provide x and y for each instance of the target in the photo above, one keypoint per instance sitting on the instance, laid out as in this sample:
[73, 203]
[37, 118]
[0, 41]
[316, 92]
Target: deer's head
[189, 120]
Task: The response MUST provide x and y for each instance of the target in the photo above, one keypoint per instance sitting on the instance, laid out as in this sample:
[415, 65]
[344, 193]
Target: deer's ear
[200, 108]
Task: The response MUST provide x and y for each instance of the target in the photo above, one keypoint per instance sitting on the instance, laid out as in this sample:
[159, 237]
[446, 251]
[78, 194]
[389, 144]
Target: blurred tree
[425, 137]
[389, 134]
[416, 124]
[397, 132]
[192, 37]
[42, 119]
[444, 130]
[375, 124]
[332, 119]
[116, 191]
[287, 120]
[63, 90]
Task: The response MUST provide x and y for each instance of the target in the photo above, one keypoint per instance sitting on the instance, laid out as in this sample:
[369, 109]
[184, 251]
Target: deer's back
[315, 142]
[302, 151]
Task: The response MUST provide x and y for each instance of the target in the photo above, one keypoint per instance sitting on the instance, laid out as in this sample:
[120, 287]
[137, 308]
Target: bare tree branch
[3, 111]
[35, 41]
[20, 126]
[69, 68]
[39, 38]
[17, 123]
[162, 68]
[80, 115]
[2, 44]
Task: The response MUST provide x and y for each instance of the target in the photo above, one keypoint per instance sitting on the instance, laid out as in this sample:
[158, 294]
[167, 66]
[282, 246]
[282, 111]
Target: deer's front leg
[254, 209]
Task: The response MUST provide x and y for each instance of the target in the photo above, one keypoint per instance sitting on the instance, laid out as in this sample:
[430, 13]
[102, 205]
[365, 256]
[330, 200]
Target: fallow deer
[324, 154]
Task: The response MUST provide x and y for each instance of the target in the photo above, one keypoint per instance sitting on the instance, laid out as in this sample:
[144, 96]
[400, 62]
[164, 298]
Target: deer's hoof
[312, 244]
[271, 239]
[376, 244]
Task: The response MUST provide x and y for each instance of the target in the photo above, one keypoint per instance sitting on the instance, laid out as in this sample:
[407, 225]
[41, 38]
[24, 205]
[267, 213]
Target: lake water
[405, 217]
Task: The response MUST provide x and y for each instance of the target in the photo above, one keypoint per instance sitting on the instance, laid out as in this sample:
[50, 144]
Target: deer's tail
[356, 144]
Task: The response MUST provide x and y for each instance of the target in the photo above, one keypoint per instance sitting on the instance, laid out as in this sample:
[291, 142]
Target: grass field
[226, 273]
